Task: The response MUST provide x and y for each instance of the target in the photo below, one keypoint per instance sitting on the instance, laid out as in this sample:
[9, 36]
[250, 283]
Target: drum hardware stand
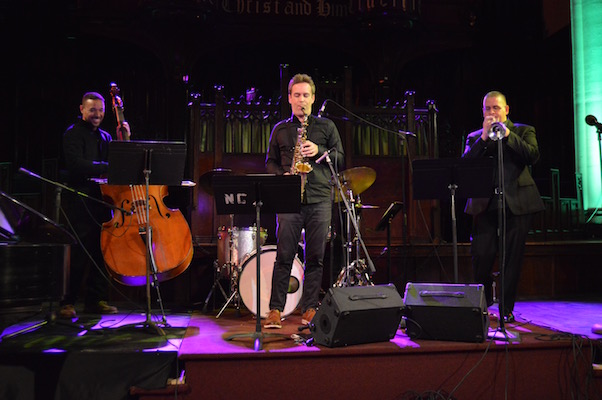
[350, 211]
[217, 274]
[233, 274]
[234, 293]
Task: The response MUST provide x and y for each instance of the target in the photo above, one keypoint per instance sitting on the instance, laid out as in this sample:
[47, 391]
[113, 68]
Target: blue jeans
[315, 218]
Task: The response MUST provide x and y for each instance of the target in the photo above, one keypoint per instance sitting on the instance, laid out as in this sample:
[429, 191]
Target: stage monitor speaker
[357, 314]
[455, 312]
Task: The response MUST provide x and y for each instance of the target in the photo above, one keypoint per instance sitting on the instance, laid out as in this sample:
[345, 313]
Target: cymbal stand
[361, 273]
[349, 243]
[350, 211]
[354, 272]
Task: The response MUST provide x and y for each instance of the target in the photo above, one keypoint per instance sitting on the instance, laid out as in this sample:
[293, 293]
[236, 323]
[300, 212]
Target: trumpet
[497, 131]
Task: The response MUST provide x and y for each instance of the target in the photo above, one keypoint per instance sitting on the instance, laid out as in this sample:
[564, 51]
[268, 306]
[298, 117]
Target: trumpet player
[522, 198]
[295, 145]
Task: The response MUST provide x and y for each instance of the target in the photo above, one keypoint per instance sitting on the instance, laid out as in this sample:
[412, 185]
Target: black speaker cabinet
[456, 312]
[357, 314]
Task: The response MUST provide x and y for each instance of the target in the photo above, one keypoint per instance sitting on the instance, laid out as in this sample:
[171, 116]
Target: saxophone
[300, 166]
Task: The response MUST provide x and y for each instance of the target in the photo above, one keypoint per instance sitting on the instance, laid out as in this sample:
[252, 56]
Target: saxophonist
[295, 144]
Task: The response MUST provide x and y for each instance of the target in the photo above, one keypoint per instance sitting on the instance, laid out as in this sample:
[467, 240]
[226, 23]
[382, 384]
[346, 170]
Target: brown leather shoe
[101, 307]
[273, 320]
[67, 312]
[308, 315]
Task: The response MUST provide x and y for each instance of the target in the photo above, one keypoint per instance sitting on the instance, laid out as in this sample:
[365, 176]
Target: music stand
[248, 194]
[146, 163]
[385, 222]
[452, 177]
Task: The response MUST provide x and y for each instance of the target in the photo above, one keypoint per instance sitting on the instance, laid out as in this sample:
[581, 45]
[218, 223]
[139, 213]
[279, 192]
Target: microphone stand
[592, 121]
[501, 333]
[80, 194]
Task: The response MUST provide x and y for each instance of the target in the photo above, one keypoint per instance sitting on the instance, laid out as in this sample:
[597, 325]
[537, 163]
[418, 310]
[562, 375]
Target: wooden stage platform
[113, 363]
[544, 364]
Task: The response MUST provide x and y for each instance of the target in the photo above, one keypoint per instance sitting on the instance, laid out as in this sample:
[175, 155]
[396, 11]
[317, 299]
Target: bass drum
[247, 286]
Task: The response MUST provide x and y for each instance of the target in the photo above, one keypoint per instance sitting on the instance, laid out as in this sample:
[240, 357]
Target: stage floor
[551, 333]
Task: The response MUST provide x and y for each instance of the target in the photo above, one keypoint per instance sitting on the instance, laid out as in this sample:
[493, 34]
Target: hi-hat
[205, 181]
[357, 180]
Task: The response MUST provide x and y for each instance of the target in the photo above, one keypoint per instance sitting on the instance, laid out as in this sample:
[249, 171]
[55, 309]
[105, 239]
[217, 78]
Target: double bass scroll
[117, 107]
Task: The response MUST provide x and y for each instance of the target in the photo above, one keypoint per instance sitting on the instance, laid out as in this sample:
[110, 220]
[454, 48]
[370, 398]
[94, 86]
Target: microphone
[592, 121]
[323, 156]
[322, 108]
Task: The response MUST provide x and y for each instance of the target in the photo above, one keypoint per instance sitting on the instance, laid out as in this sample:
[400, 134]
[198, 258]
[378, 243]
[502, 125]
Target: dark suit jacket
[520, 150]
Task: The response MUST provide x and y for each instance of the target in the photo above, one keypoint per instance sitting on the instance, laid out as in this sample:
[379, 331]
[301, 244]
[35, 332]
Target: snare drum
[234, 244]
[247, 286]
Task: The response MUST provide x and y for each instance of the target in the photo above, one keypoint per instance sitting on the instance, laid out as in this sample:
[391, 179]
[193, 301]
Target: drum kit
[237, 256]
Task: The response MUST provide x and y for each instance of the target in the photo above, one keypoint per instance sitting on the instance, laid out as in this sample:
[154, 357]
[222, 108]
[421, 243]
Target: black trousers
[85, 217]
[315, 218]
[484, 250]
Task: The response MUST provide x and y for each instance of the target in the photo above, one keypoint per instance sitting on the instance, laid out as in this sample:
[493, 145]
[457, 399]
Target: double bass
[123, 238]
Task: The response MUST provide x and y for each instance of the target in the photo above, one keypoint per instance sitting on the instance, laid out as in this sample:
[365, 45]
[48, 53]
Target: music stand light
[254, 193]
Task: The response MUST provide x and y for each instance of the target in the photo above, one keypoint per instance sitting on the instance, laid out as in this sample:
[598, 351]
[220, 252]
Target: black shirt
[320, 131]
[85, 152]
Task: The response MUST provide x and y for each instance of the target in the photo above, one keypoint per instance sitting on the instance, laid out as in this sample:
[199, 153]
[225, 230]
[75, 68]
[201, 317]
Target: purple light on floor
[54, 351]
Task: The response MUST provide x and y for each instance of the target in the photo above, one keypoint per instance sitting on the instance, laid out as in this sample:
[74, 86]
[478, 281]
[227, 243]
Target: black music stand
[385, 223]
[452, 177]
[248, 194]
[147, 163]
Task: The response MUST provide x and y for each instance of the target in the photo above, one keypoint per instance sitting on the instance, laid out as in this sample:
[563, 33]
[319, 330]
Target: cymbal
[356, 179]
[205, 181]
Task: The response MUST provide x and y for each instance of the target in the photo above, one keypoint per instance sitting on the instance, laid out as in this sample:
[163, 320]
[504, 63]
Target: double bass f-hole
[136, 206]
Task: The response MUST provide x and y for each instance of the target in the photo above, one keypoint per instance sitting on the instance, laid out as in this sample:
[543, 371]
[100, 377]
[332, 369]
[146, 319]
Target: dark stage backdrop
[160, 53]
